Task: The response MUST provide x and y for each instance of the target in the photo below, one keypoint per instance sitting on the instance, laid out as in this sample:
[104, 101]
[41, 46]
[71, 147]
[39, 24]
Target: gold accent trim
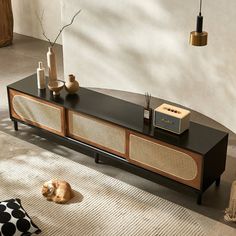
[198, 39]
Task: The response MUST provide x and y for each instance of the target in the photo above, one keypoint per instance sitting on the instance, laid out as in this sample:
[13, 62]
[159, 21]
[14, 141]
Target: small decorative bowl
[56, 86]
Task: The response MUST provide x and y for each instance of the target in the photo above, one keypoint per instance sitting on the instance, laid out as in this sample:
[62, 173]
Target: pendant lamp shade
[198, 37]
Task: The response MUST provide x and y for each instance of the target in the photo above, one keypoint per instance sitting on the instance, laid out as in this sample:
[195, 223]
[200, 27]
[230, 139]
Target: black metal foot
[96, 157]
[218, 182]
[15, 125]
[199, 199]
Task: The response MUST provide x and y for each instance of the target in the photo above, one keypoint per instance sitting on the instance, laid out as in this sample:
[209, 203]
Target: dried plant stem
[71, 22]
[41, 24]
[61, 30]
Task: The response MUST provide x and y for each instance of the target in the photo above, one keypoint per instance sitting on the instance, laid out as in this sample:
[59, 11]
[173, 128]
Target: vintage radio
[171, 118]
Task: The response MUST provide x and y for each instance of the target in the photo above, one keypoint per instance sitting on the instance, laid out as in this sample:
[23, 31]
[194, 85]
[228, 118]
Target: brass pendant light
[198, 37]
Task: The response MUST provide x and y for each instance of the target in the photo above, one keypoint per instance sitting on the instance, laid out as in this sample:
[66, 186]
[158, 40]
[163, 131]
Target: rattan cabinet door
[37, 112]
[97, 132]
[167, 160]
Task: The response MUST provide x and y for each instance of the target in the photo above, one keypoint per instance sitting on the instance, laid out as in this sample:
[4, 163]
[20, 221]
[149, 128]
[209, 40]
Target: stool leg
[96, 157]
[15, 125]
[199, 198]
[218, 182]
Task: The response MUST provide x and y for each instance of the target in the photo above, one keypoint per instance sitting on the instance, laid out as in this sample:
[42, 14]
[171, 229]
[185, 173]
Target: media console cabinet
[115, 128]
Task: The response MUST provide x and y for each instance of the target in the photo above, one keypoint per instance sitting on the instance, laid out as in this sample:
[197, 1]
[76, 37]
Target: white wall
[26, 22]
[141, 46]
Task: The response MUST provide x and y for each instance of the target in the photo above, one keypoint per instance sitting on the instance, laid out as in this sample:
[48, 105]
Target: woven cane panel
[97, 131]
[40, 113]
[162, 158]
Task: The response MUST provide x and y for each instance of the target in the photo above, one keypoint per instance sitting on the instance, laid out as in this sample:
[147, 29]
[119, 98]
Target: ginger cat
[57, 191]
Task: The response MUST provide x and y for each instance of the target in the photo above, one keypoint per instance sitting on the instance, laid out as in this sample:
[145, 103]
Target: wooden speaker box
[171, 118]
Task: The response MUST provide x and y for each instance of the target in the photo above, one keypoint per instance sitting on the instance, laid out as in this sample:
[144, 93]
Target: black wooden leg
[218, 182]
[199, 198]
[15, 125]
[96, 157]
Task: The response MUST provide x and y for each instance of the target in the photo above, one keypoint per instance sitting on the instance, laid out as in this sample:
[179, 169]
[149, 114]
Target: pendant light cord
[200, 10]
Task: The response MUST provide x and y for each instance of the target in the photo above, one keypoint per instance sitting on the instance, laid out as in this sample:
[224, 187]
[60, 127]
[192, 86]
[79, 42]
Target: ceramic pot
[56, 86]
[52, 66]
[72, 85]
[6, 23]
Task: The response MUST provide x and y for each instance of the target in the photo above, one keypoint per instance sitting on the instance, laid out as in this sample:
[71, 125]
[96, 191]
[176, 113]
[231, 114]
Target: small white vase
[52, 66]
[41, 76]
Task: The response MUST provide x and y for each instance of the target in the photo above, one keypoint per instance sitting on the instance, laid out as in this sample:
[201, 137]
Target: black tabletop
[198, 138]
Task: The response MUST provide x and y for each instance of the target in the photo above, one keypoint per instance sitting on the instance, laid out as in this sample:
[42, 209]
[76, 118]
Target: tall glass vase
[6, 23]
[52, 66]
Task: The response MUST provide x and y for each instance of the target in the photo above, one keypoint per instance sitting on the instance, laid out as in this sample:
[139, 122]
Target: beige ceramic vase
[52, 65]
[72, 85]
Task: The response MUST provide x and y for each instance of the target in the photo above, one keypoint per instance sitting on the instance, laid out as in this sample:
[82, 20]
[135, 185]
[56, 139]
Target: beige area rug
[102, 205]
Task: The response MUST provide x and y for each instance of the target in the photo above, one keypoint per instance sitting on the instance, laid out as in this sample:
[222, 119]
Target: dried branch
[71, 22]
[41, 24]
[43, 31]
